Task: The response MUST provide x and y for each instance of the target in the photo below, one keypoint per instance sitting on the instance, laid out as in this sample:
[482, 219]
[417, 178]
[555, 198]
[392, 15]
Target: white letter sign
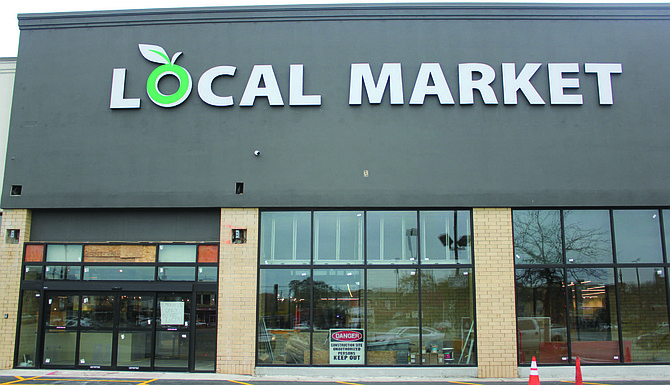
[604, 73]
[513, 83]
[467, 85]
[557, 83]
[440, 88]
[362, 74]
[253, 89]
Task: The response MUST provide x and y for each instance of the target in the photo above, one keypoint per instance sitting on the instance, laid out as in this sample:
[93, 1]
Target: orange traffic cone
[534, 378]
[578, 375]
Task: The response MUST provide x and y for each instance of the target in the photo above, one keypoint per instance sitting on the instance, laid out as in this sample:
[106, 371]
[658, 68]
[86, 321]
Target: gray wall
[68, 149]
[110, 225]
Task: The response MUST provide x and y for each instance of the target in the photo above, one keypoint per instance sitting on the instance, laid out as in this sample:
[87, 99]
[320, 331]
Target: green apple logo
[158, 55]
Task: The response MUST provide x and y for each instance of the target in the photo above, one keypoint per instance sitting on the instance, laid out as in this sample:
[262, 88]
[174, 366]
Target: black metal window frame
[564, 265]
[81, 287]
[311, 266]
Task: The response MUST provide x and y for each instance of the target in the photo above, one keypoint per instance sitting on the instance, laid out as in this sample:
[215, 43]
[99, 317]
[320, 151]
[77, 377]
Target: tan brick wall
[238, 268]
[494, 285]
[10, 276]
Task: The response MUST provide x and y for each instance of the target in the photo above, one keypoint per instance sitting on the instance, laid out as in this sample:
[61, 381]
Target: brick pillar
[10, 276]
[238, 269]
[495, 301]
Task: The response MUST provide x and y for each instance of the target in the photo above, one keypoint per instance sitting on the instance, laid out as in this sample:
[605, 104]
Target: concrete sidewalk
[565, 373]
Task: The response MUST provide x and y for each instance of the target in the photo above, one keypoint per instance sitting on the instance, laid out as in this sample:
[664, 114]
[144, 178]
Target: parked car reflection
[429, 335]
[658, 339]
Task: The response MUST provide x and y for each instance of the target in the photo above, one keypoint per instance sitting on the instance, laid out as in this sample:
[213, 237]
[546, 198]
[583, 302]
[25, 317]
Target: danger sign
[347, 346]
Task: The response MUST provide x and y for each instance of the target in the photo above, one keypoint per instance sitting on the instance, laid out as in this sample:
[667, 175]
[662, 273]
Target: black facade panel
[68, 149]
[112, 225]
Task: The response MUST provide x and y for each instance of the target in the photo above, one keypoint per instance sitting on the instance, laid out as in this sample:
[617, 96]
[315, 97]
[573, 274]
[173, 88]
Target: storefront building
[425, 190]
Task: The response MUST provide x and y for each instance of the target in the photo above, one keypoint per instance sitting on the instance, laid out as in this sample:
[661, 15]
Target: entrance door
[173, 321]
[79, 330]
[61, 333]
[112, 330]
[134, 335]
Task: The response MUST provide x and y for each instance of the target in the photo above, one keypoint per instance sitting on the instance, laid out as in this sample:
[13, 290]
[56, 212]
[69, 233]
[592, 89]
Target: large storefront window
[30, 311]
[541, 322]
[392, 302]
[102, 306]
[591, 284]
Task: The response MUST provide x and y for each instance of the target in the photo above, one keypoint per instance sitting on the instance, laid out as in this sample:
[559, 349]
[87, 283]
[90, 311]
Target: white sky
[9, 30]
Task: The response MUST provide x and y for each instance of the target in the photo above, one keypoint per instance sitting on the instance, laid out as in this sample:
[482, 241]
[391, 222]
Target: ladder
[265, 336]
[469, 340]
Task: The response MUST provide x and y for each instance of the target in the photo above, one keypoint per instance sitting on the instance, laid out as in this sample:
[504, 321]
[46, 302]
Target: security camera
[257, 153]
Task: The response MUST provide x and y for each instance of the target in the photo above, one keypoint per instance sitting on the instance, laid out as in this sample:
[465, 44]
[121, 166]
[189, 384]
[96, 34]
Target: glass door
[173, 320]
[78, 330]
[134, 336]
[96, 331]
[129, 331]
[61, 324]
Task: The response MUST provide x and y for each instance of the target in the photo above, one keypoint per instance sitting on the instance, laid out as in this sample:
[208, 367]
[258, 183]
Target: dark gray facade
[69, 149]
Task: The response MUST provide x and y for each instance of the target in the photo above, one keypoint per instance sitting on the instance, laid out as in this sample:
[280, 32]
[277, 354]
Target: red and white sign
[347, 346]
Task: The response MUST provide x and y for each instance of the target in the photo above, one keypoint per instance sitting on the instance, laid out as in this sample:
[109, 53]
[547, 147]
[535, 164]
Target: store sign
[430, 81]
[347, 346]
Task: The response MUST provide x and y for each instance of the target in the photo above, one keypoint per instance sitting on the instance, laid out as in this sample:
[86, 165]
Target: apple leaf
[174, 57]
[154, 53]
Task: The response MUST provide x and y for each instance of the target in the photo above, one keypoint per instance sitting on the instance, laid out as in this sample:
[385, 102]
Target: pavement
[76, 377]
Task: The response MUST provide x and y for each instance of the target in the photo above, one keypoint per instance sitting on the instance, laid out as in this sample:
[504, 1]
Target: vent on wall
[239, 188]
[16, 190]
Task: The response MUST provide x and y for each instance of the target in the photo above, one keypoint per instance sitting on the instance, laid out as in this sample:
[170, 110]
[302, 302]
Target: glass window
[286, 238]
[62, 273]
[63, 311]
[299, 308]
[32, 273]
[64, 253]
[283, 310]
[95, 348]
[638, 236]
[27, 346]
[644, 314]
[208, 273]
[120, 253]
[593, 318]
[448, 318]
[136, 311]
[392, 237]
[134, 349]
[176, 273]
[445, 237]
[59, 347]
[172, 349]
[97, 311]
[588, 237]
[205, 331]
[119, 273]
[537, 236]
[338, 237]
[177, 253]
[393, 317]
[337, 305]
[541, 316]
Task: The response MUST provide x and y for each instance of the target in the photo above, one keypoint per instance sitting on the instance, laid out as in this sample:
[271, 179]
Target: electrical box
[239, 236]
[13, 236]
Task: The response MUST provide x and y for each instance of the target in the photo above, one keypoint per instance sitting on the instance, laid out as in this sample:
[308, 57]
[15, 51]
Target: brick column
[10, 275]
[238, 269]
[495, 300]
